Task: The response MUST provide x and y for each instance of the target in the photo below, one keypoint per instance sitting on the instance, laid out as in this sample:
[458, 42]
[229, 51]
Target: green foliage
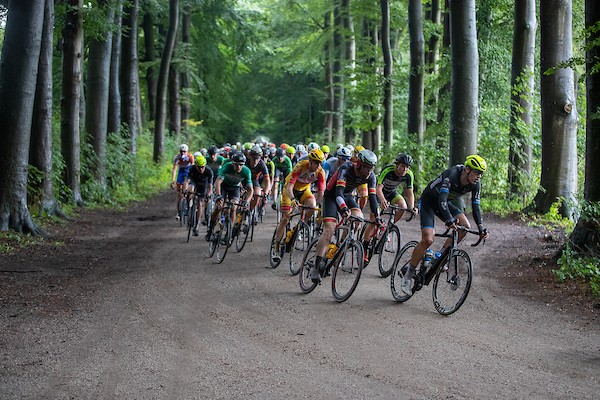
[573, 266]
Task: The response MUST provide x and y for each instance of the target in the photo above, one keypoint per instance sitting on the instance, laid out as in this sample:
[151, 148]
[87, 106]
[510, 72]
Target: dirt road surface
[117, 305]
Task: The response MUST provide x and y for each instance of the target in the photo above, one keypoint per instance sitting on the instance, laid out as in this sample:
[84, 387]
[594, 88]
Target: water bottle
[428, 258]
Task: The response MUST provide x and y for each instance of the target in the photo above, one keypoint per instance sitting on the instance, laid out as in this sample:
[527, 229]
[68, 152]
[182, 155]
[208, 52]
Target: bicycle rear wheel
[182, 211]
[388, 248]
[298, 246]
[400, 265]
[451, 286]
[309, 259]
[346, 271]
[224, 240]
[192, 220]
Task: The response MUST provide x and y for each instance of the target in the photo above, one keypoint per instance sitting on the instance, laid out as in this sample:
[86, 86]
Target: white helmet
[312, 146]
[183, 147]
[344, 152]
[300, 148]
[197, 154]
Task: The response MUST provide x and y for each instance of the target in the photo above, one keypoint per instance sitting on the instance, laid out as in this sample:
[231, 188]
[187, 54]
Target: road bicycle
[222, 233]
[192, 220]
[295, 241]
[208, 208]
[260, 210]
[385, 241]
[242, 227]
[183, 210]
[452, 274]
[343, 261]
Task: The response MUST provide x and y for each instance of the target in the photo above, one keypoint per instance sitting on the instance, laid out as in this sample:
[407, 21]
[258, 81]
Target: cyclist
[290, 151]
[339, 199]
[438, 200]
[343, 155]
[201, 178]
[260, 174]
[181, 165]
[283, 166]
[311, 146]
[325, 150]
[227, 187]
[297, 190]
[214, 160]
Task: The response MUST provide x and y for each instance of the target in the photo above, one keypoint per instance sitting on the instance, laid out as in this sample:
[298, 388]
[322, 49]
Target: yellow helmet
[476, 162]
[290, 150]
[358, 149]
[200, 161]
[316, 155]
[325, 148]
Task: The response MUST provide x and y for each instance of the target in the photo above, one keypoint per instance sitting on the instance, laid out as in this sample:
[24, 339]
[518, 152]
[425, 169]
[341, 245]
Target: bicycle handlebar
[396, 207]
[466, 230]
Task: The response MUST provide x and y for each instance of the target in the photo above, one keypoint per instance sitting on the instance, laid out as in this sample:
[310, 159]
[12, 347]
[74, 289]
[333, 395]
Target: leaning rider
[439, 199]
[297, 190]
[181, 165]
[339, 199]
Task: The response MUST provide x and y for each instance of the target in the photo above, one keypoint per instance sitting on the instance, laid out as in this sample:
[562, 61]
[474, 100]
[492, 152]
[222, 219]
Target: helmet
[316, 155]
[197, 154]
[200, 160]
[203, 151]
[290, 150]
[367, 157]
[338, 146]
[212, 150]
[301, 149]
[183, 147]
[247, 146]
[283, 145]
[279, 152]
[256, 150]
[325, 148]
[358, 149]
[238, 158]
[402, 158]
[272, 150]
[265, 151]
[312, 146]
[476, 162]
[344, 153]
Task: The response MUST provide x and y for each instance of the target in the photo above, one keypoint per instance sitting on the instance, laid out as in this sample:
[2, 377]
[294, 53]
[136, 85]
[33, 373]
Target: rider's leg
[399, 200]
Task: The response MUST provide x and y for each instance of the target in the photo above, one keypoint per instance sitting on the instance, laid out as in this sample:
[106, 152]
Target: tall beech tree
[129, 71]
[339, 56]
[464, 109]
[149, 57]
[388, 86]
[416, 84]
[114, 92]
[163, 76]
[559, 115]
[18, 76]
[40, 153]
[522, 82]
[586, 235]
[71, 97]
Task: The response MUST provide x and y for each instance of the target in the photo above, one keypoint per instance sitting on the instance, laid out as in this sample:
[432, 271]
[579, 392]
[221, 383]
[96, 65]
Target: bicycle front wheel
[388, 248]
[275, 256]
[191, 220]
[224, 240]
[347, 270]
[400, 265]
[298, 246]
[309, 259]
[452, 283]
[243, 232]
[182, 211]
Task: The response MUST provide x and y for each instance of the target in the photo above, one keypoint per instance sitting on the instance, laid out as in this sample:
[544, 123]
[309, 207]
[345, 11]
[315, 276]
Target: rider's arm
[443, 201]
[379, 192]
[475, 200]
[218, 185]
[373, 203]
[174, 172]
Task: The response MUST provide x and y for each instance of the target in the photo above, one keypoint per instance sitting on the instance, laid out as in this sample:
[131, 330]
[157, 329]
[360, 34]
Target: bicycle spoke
[306, 284]
[388, 248]
[398, 272]
[347, 271]
[451, 285]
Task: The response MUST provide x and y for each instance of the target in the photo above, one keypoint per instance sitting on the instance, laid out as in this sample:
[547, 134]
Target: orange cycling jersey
[302, 177]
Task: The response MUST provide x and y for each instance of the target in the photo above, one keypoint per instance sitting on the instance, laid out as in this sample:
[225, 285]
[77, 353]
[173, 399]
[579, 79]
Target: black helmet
[279, 152]
[238, 158]
[404, 159]
[212, 150]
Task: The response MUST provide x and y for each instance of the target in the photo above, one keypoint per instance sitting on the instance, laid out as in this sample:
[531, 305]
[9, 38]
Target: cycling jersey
[258, 171]
[201, 180]
[232, 178]
[215, 165]
[282, 168]
[391, 181]
[447, 187]
[340, 186]
[183, 161]
[302, 177]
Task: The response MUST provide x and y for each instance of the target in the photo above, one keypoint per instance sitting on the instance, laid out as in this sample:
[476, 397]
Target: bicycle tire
[397, 272]
[224, 240]
[212, 245]
[299, 244]
[387, 250]
[306, 284]
[451, 287]
[241, 237]
[192, 220]
[253, 219]
[182, 211]
[274, 263]
[347, 271]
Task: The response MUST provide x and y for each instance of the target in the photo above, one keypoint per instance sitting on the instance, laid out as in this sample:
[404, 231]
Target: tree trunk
[71, 98]
[434, 15]
[40, 152]
[586, 235]
[18, 75]
[338, 73]
[98, 77]
[163, 75]
[185, 75]
[129, 71]
[330, 102]
[388, 105]
[174, 105]
[464, 109]
[416, 84]
[148, 27]
[446, 87]
[559, 115]
[114, 93]
[522, 81]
